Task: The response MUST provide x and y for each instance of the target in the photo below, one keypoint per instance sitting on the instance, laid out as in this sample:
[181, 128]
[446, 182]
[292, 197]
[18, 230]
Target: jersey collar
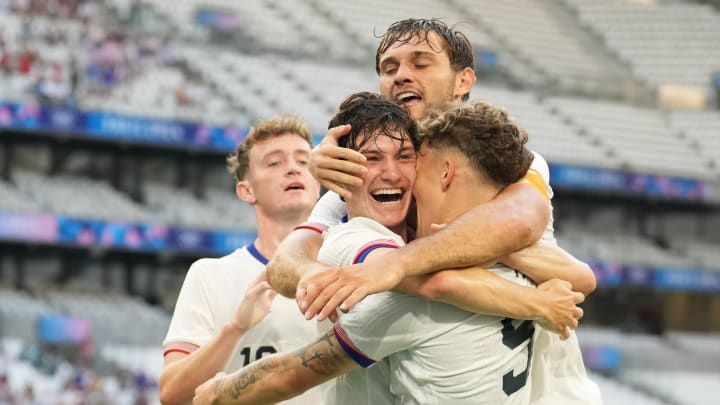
[256, 254]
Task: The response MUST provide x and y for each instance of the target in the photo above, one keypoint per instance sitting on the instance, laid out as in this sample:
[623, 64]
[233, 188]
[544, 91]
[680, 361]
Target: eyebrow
[280, 152]
[414, 55]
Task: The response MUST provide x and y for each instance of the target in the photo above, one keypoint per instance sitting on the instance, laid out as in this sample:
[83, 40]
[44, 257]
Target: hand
[560, 310]
[209, 391]
[321, 293]
[335, 167]
[255, 304]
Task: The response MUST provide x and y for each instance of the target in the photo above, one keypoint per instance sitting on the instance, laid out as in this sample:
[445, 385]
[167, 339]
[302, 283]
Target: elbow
[274, 278]
[437, 286]
[525, 230]
[587, 283]
[167, 396]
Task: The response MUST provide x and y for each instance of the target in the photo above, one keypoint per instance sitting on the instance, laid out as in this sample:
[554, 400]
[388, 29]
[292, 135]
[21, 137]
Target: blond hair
[239, 161]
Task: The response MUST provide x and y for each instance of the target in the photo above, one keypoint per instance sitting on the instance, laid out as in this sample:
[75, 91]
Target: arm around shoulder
[293, 258]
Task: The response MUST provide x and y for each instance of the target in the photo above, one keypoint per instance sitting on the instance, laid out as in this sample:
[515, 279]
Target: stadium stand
[663, 42]
[567, 71]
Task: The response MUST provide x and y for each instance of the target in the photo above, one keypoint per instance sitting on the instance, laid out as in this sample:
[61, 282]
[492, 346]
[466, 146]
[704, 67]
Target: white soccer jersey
[558, 372]
[436, 353]
[210, 295]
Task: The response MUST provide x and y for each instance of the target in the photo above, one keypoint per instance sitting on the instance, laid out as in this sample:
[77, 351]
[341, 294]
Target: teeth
[387, 191]
[403, 96]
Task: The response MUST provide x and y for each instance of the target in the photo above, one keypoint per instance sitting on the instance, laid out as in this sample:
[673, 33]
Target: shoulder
[540, 166]
[361, 226]
[232, 262]
[344, 242]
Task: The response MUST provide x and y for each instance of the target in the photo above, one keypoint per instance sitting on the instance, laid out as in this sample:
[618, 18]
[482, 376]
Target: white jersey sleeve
[540, 165]
[349, 243]
[328, 211]
[192, 321]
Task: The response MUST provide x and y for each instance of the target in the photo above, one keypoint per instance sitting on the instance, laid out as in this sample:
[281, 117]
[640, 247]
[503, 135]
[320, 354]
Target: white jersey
[558, 372]
[210, 295]
[428, 352]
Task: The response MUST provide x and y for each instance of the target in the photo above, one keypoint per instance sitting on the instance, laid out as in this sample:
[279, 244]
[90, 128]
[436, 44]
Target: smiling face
[387, 186]
[278, 181]
[417, 74]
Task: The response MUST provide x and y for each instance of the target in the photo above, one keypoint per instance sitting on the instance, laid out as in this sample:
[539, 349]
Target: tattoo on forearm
[249, 376]
[321, 356]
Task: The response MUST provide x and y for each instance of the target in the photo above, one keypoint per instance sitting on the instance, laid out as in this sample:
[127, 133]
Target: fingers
[308, 290]
[333, 302]
[353, 299]
[565, 333]
[337, 132]
[257, 289]
[578, 313]
[317, 305]
[578, 298]
[437, 227]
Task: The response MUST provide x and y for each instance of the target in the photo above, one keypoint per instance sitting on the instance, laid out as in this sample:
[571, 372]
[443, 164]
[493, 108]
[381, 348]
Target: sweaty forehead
[430, 41]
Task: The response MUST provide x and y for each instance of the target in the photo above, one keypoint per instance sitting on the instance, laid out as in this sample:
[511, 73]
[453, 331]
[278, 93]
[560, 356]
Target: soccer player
[426, 352]
[213, 327]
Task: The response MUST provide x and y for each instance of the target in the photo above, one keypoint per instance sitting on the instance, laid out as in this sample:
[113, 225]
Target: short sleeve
[328, 211]
[348, 243]
[191, 322]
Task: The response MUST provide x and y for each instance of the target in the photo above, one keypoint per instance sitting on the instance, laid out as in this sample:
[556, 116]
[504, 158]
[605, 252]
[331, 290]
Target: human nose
[390, 171]
[294, 167]
[403, 74]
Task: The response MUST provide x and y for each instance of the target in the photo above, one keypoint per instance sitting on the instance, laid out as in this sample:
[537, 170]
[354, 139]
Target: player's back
[440, 354]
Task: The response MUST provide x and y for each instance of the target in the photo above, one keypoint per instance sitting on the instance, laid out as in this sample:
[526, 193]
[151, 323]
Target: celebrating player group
[432, 255]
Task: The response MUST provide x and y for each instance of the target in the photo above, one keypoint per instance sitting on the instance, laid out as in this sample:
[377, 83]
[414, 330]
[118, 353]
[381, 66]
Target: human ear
[245, 192]
[464, 82]
[448, 174]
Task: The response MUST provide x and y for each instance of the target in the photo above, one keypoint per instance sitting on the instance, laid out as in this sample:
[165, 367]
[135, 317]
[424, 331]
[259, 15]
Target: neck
[464, 194]
[271, 230]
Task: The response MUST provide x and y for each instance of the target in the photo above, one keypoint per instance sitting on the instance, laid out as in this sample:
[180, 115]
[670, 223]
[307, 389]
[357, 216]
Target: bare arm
[543, 261]
[295, 256]
[183, 372]
[280, 376]
[483, 292]
[510, 222]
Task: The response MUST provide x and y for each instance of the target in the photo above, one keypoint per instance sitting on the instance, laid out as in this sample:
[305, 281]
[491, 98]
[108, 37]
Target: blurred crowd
[64, 48]
[48, 378]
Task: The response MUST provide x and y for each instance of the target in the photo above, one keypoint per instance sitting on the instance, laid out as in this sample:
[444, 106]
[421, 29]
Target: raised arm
[183, 372]
[280, 376]
[544, 261]
[513, 220]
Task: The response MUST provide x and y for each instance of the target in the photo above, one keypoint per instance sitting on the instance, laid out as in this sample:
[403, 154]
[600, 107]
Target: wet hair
[239, 161]
[416, 30]
[371, 116]
[493, 143]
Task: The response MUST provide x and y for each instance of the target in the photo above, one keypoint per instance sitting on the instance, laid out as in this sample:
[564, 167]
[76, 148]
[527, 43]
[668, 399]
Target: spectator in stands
[210, 329]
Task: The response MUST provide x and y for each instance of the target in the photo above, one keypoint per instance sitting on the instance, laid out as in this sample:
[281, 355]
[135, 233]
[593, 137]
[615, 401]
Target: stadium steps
[616, 69]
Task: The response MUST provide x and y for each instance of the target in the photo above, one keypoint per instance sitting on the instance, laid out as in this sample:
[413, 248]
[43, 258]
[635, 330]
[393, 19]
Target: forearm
[292, 258]
[510, 222]
[479, 291]
[180, 378]
[542, 262]
[285, 375]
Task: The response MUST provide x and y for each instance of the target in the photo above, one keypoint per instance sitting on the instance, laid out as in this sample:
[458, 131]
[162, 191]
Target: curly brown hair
[238, 162]
[416, 30]
[491, 141]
